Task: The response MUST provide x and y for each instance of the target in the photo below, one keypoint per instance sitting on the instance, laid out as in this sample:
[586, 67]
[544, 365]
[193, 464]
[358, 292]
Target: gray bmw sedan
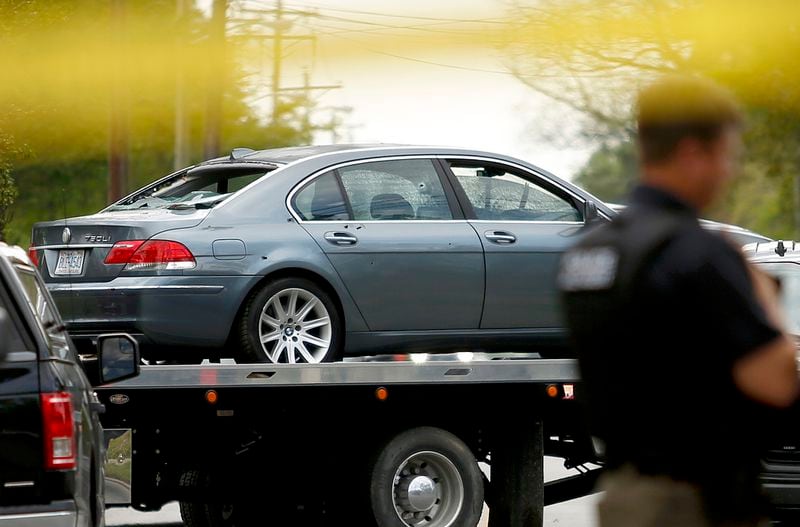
[313, 253]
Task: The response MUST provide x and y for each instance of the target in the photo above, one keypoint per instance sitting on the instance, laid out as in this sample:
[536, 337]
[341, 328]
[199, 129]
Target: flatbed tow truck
[386, 443]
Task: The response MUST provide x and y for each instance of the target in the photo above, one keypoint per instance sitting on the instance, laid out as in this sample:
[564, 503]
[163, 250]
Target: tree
[592, 55]
[61, 61]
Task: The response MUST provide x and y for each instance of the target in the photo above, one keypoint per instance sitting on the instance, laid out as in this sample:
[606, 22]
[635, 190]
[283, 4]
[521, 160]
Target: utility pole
[119, 119]
[277, 59]
[215, 80]
[281, 24]
[180, 156]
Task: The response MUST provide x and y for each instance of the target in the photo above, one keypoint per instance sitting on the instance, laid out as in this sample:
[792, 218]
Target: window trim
[452, 202]
[532, 176]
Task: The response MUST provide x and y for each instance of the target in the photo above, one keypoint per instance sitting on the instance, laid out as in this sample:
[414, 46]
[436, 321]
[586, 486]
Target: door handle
[340, 238]
[502, 237]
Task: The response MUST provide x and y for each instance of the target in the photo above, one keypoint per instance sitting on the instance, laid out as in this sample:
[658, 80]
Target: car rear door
[21, 458]
[525, 222]
[60, 373]
[393, 231]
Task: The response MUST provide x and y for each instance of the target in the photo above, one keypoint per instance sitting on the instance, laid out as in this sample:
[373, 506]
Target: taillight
[34, 256]
[151, 255]
[58, 431]
[121, 252]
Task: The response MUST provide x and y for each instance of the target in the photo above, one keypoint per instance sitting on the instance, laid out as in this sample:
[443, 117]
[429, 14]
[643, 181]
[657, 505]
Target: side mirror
[590, 214]
[6, 331]
[117, 357]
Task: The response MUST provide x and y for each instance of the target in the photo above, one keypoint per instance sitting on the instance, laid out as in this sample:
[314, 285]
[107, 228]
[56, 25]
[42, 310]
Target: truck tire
[201, 514]
[273, 329]
[428, 477]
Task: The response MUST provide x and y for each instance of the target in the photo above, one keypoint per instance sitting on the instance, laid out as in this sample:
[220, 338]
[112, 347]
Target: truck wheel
[426, 477]
[200, 514]
[291, 320]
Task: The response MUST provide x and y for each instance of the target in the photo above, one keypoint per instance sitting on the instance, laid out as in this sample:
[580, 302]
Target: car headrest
[391, 207]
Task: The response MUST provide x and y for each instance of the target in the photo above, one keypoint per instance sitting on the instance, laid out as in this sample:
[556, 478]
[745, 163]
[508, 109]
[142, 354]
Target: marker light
[211, 396]
[552, 390]
[381, 394]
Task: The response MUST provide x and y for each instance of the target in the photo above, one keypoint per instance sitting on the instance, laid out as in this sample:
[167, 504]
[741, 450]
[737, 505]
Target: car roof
[295, 153]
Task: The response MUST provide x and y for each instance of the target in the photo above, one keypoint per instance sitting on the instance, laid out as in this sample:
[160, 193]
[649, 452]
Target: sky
[404, 91]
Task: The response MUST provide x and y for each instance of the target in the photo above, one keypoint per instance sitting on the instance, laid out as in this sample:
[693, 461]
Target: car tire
[210, 514]
[426, 475]
[270, 316]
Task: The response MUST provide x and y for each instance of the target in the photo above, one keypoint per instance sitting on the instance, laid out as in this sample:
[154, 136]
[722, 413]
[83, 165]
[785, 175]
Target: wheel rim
[427, 491]
[295, 327]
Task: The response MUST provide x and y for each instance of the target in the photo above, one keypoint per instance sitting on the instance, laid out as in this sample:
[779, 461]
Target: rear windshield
[192, 189]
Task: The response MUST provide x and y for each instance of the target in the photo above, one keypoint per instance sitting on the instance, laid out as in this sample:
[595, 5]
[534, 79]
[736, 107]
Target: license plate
[70, 262]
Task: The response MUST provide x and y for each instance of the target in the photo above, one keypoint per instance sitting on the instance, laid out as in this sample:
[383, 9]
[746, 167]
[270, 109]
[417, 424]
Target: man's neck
[675, 185]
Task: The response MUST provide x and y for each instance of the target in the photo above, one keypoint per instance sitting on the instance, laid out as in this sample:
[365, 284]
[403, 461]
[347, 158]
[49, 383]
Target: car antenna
[780, 250]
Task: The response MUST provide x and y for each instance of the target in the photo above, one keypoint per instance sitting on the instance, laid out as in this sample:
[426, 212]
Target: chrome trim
[35, 515]
[75, 246]
[361, 222]
[337, 166]
[523, 222]
[18, 484]
[77, 288]
[517, 166]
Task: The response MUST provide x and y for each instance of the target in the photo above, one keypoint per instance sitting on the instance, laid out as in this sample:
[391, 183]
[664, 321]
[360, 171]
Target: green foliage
[58, 159]
[610, 172]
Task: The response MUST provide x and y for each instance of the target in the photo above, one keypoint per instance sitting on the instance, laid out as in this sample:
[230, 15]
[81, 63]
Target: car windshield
[190, 189]
[789, 275]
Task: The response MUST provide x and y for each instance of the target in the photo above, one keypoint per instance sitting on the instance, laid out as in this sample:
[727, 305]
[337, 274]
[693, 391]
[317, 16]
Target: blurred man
[681, 343]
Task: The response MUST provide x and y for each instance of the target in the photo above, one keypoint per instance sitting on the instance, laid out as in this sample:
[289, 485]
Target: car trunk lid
[74, 250]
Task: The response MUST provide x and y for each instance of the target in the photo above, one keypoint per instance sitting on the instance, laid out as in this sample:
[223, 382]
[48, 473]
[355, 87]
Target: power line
[501, 20]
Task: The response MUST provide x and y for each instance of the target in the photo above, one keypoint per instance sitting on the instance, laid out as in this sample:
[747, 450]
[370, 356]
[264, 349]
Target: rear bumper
[781, 484]
[55, 514]
[179, 311]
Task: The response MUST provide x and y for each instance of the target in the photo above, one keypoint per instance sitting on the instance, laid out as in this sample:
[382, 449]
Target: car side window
[14, 339]
[407, 189]
[501, 195]
[49, 322]
[321, 200]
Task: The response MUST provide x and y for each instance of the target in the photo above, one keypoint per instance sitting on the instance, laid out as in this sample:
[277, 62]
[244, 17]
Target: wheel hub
[428, 491]
[288, 332]
[421, 493]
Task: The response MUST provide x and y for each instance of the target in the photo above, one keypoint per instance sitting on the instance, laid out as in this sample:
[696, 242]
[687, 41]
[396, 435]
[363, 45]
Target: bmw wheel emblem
[66, 235]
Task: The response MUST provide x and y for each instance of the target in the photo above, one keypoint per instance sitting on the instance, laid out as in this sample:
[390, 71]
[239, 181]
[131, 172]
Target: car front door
[394, 233]
[525, 222]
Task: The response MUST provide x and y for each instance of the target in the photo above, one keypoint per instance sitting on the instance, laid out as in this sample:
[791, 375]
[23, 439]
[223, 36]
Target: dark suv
[51, 442]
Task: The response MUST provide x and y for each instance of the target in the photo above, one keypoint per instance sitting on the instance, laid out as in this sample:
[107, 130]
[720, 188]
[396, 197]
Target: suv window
[498, 194]
[15, 341]
[408, 189]
[49, 323]
[321, 200]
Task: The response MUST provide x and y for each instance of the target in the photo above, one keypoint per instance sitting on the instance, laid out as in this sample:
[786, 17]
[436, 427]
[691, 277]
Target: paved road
[575, 513]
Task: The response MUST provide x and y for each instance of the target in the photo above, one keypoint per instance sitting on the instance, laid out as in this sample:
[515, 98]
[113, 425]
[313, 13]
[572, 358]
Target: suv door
[525, 222]
[60, 371]
[21, 458]
[393, 231]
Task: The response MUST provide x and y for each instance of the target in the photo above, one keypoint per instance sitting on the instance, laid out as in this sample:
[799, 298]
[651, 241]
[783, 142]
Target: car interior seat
[391, 207]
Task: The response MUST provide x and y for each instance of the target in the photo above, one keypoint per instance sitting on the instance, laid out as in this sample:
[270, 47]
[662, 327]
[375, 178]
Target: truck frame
[366, 443]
